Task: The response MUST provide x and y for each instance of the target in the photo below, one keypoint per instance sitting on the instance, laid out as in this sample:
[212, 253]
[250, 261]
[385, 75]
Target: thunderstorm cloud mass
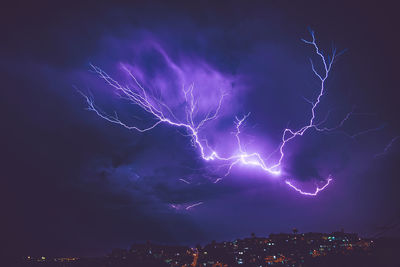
[182, 124]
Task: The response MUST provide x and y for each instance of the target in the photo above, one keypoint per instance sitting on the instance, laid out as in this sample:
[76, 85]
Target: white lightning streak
[161, 113]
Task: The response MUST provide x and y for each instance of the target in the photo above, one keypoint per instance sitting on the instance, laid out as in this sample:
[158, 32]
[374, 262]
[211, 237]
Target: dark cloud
[73, 183]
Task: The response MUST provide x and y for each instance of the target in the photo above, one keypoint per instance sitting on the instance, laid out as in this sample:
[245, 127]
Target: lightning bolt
[188, 207]
[317, 190]
[388, 146]
[162, 114]
[193, 205]
[184, 181]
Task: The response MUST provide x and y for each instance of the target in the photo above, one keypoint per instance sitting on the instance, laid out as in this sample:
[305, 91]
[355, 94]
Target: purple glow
[194, 118]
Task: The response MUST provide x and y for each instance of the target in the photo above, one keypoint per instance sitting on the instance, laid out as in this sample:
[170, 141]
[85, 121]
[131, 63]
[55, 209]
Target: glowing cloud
[193, 121]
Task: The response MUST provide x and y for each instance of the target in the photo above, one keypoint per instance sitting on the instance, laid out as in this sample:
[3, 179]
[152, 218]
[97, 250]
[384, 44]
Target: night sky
[75, 184]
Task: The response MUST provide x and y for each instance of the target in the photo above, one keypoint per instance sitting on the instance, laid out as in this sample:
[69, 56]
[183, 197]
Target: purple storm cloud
[190, 96]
